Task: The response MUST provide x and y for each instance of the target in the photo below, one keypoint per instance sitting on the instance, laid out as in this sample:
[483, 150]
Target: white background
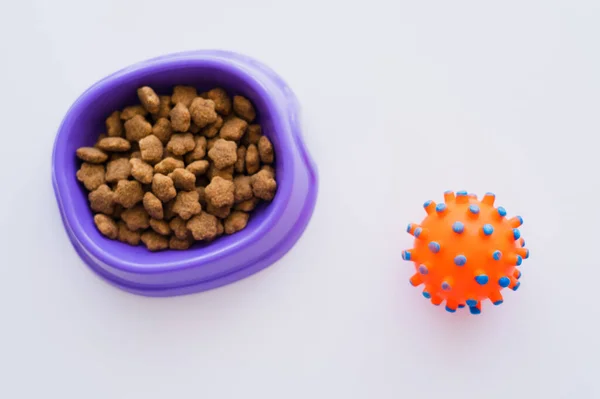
[401, 101]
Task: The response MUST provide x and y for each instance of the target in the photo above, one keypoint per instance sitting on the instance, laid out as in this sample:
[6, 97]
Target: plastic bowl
[273, 228]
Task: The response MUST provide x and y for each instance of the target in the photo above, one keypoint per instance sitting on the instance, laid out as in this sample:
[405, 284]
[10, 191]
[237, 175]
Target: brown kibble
[220, 228]
[233, 129]
[136, 218]
[137, 128]
[179, 228]
[91, 155]
[181, 143]
[265, 150]
[199, 151]
[149, 99]
[183, 179]
[243, 108]
[176, 243]
[160, 226]
[102, 200]
[101, 137]
[203, 226]
[151, 148]
[201, 196]
[153, 206]
[235, 222]
[220, 192]
[221, 100]
[210, 143]
[194, 128]
[223, 153]
[264, 185]
[154, 241]
[226, 173]
[203, 112]
[118, 211]
[163, 108]
[180, 118]
[187, 204]
[198, 167]
[106, 226]
[168, 210]
[136, 154]
[128, 236]
[221, 212]
[168, 165]
[247, 206]
[184, 95]
[120, 155]
[128, 193]
[243, 189]
[140, 170]
[269, 169]
[241, 159]
[252, 160]
[253, 134]
[114, 144]
[213, 129]
[114, 126]
[134, 110]
[163, 187]
[162, 129]
[92, 176]
[116, 170]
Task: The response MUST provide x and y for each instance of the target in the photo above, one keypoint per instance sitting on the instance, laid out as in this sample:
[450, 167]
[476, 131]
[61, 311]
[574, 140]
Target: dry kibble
[114, 126]
[198, 167]
[106, 226]
[154, 241]
[134, 110]
[176, 243]
[247, 206]
[210, 143]
[168, 165]
[220, 228]
[265, 150]
[201, 196]
[233, 129]
[116, 170]
[114, 144]
[199, 151]
[184, 95]
[102, 200]
[137, 128]
[91, 175]
[220, 192]
[128, 193]
[162, 129]
[128, 236]
[203, 112]
[180, 118]
[221, 100]
[181, 143]
[243, 108]
[243, 189]
[226, 173]
[179, 228]
[120, 155]
[253, 134]
[252, 160]
[153, 206]
[118, 211]
[101, 137]
[240, 164]
[183, 179]
[91, 155]
[163, 187]
[223, 153]
[136, 218]
[160, 226]
[140, 170]
[149, 99]
[264, 185]
[164, 107]
[213, 129]
[136, 154]
[151, 148]
[168, 210]
[269, 169]
[203, 226]
[220, 212]
[187, 204]
[235, 222]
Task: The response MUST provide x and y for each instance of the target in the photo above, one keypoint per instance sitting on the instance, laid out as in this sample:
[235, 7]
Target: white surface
[402, 100]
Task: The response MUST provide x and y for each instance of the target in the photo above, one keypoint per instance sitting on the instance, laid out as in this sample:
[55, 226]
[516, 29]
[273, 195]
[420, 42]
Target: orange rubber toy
[466, 251]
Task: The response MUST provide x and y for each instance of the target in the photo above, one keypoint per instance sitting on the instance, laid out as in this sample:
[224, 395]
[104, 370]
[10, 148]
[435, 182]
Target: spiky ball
[466, 251]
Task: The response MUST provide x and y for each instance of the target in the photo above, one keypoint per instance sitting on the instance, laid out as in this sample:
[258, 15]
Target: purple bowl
[273, 229]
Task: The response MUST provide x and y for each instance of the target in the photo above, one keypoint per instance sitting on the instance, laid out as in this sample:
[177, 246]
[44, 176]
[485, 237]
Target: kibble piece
[252, 160]
[184, 95]
[91, 155]
[114, 144]
[136, 218]
[198, 167]
[128, 236]
[253, 134]
[168, 210]
[137, 128]
[91, 175]
[151, 148]
[220, 212]
[160, 226]
[162, 129]
[153, 206]
[183, 179]
[226, 173]
[235, 222]
[180, 118]
[176, 243]
[179, 228]
[213, 129]
[247, 206]
[187, 204]
[240, 164]
[210, 143]
[102, 200]
[114, 126]
[265, 150]
[223, 153]
[220, 228]
[132, 111]
[199, 151]
[154, 241]
[136, 154]
[269, 169]
[120, 155]
[201, 196]
[181, 144]
[203, 226]
[116, 170]
[106, 226]
[163, 187]
[168, 165]
[164, 107]
[243, 189]
[220, 192]
[149, 99]
[101, 137]
[243, 108]
[118, 211]
[221, 100]
[233, 129]
[203, 112]
[128, 193]
[140, 170]
[264, 185]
